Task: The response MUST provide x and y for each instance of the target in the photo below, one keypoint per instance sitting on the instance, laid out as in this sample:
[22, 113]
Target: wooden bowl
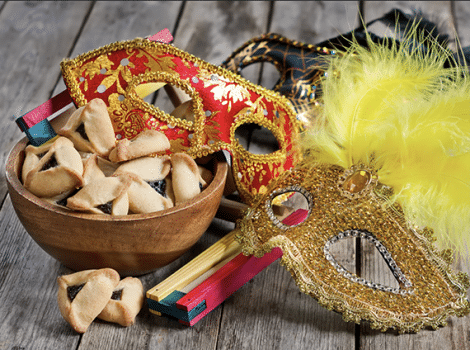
[132, 244]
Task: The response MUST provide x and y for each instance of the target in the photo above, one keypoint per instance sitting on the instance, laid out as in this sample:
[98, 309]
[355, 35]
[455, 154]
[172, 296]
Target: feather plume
[405, 113]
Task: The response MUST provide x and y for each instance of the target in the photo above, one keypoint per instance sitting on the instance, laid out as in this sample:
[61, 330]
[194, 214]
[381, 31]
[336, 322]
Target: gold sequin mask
[387, 163]
[346, 204]
[221, 102]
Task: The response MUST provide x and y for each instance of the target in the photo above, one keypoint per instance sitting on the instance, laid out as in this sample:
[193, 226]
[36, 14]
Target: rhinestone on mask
[295, 188]
[357, 181]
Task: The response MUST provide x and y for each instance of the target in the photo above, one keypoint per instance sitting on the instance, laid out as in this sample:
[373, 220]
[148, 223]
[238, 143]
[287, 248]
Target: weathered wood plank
[35, 36]
[154, 332]
[454, 336]
[29, 317]
[461, 15]
[212, 30]
[270, 312]
[29, 314]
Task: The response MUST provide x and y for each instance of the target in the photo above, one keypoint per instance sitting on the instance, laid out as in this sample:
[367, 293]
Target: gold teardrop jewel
[357, 181]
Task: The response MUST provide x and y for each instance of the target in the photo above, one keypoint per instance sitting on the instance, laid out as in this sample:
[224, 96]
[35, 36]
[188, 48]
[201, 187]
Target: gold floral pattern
[224, 90]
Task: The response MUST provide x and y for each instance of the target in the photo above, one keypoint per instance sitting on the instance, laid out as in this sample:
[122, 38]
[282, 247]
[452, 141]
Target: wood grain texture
[438, 12]
[270, 312]
[461, 14]
[123, 20]
[212, 30]
[29, 316]
[35, 36]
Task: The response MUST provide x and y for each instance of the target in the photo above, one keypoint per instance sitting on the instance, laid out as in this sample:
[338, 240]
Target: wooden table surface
[269, 312]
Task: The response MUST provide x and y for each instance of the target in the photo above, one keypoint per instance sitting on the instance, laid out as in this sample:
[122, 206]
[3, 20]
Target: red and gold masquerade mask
[221, 102]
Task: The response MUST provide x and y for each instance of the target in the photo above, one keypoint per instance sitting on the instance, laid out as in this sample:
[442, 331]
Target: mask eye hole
[401, 286]
[171, 99]
[260, 71]
[289, 207]
[256, 138]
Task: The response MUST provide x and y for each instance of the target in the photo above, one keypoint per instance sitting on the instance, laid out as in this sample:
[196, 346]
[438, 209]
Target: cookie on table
[125, 303]
[107, 195]
[56, 172]
[82, 296]
[146, 143]
[90, 128]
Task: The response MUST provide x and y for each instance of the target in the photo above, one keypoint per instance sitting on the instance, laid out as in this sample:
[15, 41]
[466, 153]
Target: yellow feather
[400, 111]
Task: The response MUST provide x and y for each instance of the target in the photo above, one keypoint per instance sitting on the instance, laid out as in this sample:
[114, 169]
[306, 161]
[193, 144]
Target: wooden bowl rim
[221, 170]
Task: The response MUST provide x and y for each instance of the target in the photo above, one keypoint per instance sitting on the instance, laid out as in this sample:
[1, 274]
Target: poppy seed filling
[106, 207]
[159, 186]
[51, 163]
[81, 130]
[72, 291]
[117, 294]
